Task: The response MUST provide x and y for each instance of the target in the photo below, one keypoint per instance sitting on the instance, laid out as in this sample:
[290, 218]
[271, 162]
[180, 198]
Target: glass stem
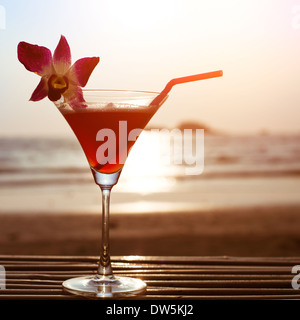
[105, 182]
[105, 268]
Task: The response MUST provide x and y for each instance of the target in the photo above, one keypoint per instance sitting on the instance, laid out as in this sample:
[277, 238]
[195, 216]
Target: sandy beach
[256, 231]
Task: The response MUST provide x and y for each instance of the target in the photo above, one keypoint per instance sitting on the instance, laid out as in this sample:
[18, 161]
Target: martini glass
[107, 126]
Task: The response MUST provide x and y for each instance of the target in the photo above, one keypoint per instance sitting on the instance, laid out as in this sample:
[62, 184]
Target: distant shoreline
[209, 131]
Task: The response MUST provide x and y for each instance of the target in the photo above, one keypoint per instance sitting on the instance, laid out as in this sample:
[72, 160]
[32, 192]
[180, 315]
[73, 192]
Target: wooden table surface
[41, 277]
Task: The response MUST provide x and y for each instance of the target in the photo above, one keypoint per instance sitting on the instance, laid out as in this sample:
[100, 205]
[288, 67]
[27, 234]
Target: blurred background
[246, 201]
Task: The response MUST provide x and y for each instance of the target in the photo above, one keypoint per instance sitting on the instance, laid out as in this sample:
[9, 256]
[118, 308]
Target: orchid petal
[35, 58]
[74, 97]
[62, 56]
[41, 91]
[82, 69]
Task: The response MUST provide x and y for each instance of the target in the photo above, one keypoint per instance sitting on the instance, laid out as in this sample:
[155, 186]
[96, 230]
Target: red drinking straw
[202, 76]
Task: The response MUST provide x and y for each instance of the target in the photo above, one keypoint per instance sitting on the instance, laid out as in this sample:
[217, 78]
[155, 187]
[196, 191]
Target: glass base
[104, 287]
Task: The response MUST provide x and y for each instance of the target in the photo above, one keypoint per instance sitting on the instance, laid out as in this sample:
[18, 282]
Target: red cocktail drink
[106, 134]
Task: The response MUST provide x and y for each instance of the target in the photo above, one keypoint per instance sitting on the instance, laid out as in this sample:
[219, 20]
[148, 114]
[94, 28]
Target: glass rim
[119, 91]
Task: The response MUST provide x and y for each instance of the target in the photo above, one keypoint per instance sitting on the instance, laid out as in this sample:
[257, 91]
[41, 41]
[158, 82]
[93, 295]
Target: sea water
[52, 174]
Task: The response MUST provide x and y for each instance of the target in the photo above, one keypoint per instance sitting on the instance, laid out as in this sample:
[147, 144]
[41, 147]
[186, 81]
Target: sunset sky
[143, 44]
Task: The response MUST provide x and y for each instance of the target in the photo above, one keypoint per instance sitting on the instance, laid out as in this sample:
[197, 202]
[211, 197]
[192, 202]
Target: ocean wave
[43, 170]
[44, 182]
[243, 174]
[72, 178]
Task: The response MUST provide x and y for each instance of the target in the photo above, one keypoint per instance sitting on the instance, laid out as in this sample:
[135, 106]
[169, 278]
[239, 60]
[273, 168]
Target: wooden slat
[197, 278]
[162, 259]
[27, 277]
[220, 291]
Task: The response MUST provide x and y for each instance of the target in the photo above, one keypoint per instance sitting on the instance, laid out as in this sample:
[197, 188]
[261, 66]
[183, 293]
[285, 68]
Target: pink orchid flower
[59, 77]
